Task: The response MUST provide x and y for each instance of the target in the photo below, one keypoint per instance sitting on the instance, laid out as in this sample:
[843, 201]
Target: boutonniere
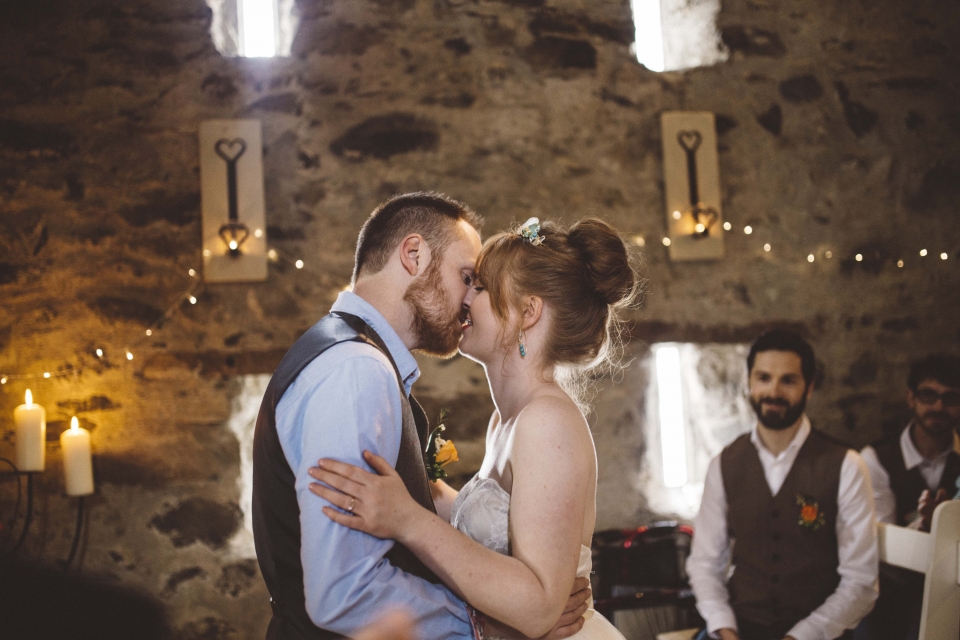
[439, 452]
[810, 517]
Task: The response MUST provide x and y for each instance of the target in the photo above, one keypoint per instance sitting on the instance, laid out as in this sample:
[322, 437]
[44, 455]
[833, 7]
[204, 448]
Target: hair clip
[530, 231]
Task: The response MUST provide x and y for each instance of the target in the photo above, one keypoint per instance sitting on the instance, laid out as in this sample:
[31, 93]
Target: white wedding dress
[482, 511]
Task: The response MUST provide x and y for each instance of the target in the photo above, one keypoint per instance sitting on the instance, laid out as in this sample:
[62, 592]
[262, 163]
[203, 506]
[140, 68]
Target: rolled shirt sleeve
[858, 554]
[709, 562]
[344, 402]
[884, 502]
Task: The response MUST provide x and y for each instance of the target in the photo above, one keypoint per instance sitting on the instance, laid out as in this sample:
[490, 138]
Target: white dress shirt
[709, 562]
[930, 470]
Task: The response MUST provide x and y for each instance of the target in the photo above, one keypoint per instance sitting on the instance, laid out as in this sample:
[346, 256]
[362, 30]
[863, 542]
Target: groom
[344, 387]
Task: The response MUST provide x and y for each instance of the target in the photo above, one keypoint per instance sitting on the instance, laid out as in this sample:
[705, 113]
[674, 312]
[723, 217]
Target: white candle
[77, 462]
[31, 429]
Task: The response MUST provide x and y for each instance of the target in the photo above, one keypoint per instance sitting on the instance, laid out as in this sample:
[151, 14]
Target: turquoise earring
[523, 349]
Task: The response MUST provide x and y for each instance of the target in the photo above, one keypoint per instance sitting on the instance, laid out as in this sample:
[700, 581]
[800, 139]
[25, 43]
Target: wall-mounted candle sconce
[692, 177]
[231, 177]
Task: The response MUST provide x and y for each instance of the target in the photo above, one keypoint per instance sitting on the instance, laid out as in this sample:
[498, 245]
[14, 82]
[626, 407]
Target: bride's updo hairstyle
[584, 275]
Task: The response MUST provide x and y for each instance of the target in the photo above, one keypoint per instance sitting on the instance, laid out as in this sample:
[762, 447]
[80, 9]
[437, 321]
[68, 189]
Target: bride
[547, 300]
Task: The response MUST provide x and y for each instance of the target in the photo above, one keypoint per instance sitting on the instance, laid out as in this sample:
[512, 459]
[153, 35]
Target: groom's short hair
[433, 215]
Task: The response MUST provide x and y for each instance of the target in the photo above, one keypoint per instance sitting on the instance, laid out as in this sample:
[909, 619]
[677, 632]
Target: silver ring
[353, 503]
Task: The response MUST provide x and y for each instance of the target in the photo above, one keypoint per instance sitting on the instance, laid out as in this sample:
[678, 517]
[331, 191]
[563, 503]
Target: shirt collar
[912, 457]
[802, 433]
[349, 302]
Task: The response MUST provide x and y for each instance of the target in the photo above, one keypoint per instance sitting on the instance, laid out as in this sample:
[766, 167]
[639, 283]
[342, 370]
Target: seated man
[798, 507]
[925, 456]
[911, 473]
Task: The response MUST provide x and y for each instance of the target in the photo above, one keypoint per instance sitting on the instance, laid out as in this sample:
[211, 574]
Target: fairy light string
[189, 296]
[812, 257]
[127, 352]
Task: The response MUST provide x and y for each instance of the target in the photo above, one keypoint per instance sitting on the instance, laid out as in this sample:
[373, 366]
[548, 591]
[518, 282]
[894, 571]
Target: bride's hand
[378, 504]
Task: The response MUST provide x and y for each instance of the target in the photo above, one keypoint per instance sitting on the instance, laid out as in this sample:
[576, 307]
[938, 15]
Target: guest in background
[917, 469]
[798, 507]
[913, 472]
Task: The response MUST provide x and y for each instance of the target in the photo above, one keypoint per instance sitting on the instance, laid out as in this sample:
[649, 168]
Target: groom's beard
[775, 420]
[438, 329]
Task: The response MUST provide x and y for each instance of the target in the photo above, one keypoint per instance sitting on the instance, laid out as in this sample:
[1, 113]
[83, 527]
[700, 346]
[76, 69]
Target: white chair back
[937, 555]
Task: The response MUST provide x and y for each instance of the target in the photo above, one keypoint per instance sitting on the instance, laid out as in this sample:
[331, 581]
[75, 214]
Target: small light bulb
[859, 257]
[676, 215]
[272, 254]
[828, 254]
[943, 256]
[99, 353]
[640, 241]
[347, 287]
[700, 228]
[298, 264]
[748, 230]
[3, 380]
[923, 252]
[192, 273]
[727, 226]
[258, 233]
[810, 258]
[149, 332]
[192, 299]
[900, 263]
[46, 374]
[233, 245]
[767, 247]
[206, 253]
[666, 242]
[129, 355]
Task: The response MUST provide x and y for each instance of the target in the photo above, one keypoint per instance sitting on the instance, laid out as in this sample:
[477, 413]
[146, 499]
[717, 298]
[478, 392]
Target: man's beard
[437, 329]
[775, 422]
[942, 422]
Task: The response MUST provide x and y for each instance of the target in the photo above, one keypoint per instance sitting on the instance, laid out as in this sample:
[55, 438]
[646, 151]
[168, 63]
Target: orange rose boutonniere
[810, 517]
[439, 452]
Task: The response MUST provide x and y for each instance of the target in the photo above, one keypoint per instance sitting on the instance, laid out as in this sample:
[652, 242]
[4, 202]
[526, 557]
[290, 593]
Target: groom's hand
[571, 621]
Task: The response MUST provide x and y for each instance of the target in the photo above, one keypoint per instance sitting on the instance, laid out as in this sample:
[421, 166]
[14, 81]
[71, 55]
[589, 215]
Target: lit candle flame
[29, 398]
[74, 424]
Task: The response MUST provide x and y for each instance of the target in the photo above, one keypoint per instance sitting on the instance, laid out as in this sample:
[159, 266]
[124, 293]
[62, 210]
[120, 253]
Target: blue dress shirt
[344, 402]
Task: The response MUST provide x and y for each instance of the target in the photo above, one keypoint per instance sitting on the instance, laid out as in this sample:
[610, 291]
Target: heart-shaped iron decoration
[707, 216]
[689, 140]
[230, 150]
[235, 231]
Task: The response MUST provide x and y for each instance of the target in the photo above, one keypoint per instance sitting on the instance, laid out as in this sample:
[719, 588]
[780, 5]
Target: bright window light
[672, 433]
[649, 41]
[258, 28]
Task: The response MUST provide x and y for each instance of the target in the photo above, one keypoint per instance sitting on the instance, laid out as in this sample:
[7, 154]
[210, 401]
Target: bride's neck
[513, 385]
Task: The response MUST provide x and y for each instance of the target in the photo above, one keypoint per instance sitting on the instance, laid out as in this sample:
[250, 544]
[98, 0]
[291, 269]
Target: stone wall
[838, 128]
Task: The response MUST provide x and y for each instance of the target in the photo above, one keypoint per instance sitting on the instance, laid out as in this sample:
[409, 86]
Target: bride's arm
[443, 497]
[552, 471]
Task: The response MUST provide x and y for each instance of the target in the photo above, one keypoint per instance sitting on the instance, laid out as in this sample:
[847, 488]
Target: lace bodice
[482, 511]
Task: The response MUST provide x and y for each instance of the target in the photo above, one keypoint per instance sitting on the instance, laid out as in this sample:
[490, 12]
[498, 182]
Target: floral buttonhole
[810, 516]
[439, 452]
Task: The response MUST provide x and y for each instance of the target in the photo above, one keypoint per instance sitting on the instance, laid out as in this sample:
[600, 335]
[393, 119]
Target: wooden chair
[937, 556]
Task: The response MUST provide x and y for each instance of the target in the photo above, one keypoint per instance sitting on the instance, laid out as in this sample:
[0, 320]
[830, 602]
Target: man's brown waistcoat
[785, 558]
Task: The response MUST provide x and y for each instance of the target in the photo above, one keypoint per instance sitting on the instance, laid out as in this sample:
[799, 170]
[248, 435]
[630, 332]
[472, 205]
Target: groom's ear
[414, 254]
[532, 309]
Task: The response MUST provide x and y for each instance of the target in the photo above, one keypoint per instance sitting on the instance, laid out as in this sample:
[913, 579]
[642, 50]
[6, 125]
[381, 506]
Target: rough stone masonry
[838, 126]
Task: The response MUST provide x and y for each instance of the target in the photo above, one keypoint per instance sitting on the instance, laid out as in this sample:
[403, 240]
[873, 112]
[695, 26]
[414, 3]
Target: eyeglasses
[929, 396]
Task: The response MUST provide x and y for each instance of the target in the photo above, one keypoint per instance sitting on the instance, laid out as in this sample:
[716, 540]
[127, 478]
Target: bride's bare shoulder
[552, 414]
